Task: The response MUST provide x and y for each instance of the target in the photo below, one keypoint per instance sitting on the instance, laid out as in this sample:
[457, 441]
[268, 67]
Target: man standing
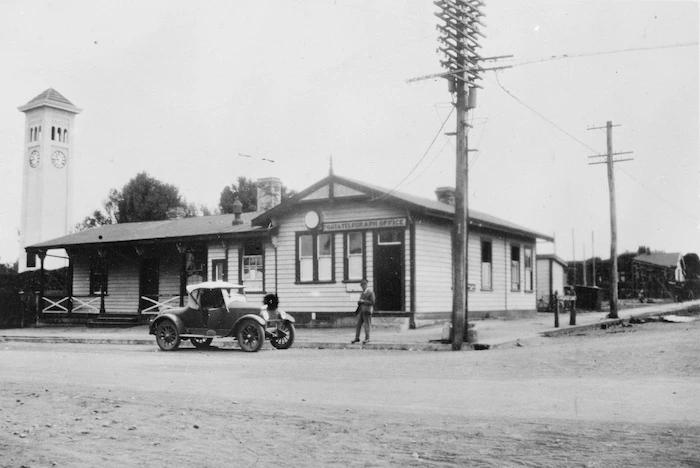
[363, 314]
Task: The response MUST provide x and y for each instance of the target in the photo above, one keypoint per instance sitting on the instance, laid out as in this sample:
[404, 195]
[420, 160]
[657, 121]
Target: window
[515, 268]
[315, 258]
[486, 266]
[218, 270]
[325, 257]
[98, 275]
[389, 237]
[253, 267]
[354, 256]
[528, 269]
[196, 265]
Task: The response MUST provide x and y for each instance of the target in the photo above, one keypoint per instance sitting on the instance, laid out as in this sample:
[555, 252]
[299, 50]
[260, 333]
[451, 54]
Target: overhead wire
[590, 148]
[425, 154]
[608, 52]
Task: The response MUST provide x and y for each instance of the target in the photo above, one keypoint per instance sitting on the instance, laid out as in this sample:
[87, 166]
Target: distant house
[551, 278]
[652, 271]
[311, 250]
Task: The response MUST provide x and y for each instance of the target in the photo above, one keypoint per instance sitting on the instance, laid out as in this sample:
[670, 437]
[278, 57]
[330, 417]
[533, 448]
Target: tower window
[65, 135]
[53, 133]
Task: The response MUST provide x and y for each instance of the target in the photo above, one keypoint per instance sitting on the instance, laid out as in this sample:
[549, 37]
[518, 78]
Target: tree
[145, 198]
[107, 215]
[246, 190]
[691, 266]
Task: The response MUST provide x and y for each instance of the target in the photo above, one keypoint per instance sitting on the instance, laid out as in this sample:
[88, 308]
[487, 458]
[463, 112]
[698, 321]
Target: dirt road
[621, 397]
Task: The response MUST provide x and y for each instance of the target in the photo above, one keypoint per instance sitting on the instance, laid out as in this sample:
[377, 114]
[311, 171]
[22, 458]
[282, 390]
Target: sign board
[364, 224]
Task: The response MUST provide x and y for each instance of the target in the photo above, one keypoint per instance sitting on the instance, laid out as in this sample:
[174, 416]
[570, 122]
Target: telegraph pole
[609, 161]
[459, 25]
[593, 255]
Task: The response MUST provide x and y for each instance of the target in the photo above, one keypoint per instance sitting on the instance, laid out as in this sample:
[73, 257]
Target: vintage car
[217, 309]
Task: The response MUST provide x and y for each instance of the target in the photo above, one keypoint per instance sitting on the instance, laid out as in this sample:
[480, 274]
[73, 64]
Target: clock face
[58, 159]
[312, 219]
[34, 158]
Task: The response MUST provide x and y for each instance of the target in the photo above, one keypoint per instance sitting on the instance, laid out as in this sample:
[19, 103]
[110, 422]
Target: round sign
[312, 220]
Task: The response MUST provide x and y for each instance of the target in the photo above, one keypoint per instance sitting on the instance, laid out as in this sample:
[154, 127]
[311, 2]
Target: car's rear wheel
[167, 335]
[201, 342]
[284, 337]
[250, 336]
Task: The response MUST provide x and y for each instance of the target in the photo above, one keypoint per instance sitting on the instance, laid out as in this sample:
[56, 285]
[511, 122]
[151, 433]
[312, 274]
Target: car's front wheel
[201, 342]
[250, 336]
[284, 336]
[167, 335]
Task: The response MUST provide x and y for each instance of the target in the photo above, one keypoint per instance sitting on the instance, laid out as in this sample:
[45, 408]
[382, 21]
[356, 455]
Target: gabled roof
[149, 231]
[659, 258]
[337, 187]
[50, 98]
[553, 257]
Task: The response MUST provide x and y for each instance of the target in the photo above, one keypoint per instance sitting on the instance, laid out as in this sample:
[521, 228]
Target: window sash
[98, 275]
[486, 276]
[253, 272]
[514, 275]
[315, 257]
[325, 257]
[528, 269]
[355, 256]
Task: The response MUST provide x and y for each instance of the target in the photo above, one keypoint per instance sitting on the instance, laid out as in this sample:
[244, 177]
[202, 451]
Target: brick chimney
[269, 193]
[445, 195]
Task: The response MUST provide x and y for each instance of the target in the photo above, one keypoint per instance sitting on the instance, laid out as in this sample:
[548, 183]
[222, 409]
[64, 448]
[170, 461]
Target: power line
[657, 194]
[608, 52]
[595, 151]
[420, 160]
[542, 116]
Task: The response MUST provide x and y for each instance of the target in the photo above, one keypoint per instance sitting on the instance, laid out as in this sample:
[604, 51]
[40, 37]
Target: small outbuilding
[312, 250]
[551, 279]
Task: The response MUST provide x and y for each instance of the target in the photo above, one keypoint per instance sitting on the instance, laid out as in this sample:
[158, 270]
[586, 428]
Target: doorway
[388, 270]
[150, 277]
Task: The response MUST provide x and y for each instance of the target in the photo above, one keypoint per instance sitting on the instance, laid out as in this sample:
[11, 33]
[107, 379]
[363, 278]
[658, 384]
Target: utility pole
[609, 161]
[593, 256]
[573, 256]
[459, 25]
[585, 279]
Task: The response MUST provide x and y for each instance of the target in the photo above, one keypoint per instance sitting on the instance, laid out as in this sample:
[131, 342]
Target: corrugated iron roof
[659, 258]
[172, 229]
[221, 225]
[429, 206]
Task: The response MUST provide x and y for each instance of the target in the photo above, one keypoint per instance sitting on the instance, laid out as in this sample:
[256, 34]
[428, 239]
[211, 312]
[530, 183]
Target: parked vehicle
[687, 290]
[217, 309]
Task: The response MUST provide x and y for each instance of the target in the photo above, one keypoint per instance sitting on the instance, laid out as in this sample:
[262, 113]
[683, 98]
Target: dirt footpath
[621, 397]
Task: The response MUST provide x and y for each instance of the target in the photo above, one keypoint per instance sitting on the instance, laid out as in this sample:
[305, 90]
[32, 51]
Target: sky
[181, 89]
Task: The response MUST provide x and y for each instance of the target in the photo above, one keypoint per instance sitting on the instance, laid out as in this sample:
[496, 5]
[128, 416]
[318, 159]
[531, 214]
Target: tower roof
[50, 98]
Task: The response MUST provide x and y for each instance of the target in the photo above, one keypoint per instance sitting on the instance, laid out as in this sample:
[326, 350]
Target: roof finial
[330, 170]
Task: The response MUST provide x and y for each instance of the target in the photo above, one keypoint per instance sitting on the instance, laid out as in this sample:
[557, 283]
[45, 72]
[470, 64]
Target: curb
[692, 310]
[229, 344]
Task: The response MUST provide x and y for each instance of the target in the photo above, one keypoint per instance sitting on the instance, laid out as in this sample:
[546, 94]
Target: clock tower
[47, 173]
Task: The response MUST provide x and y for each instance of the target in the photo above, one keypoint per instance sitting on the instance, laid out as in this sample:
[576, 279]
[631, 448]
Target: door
[388, 270]
[150, 277]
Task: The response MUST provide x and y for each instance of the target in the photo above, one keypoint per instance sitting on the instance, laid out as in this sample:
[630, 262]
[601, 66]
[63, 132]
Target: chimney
[237, 209]
[269, 193]
[445, 195]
